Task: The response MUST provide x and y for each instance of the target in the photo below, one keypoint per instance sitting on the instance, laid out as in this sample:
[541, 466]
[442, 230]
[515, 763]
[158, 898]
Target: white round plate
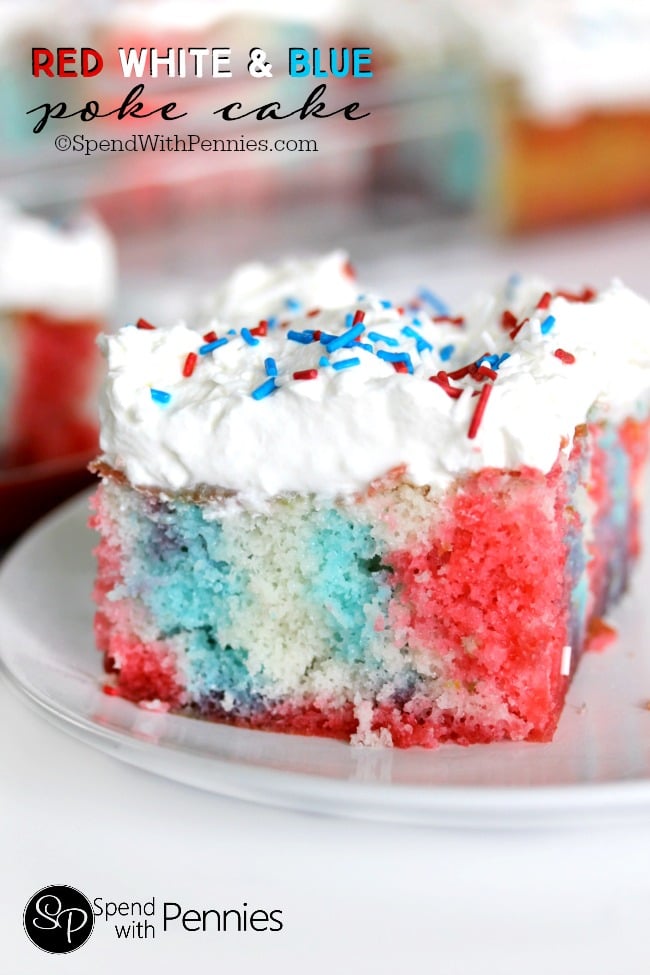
[598, 766]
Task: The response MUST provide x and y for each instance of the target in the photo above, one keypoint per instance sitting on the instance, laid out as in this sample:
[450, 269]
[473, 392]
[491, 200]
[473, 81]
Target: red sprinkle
[359, 316]
[442, 380]
[544, 301]
[313, 313]
[348, 268]
[260, 329]
[479, 411]
[400, 310]
[563, 356]
[110, 691]
[587, 294]
[457, 320]
[508, 320]
[517, 329]
[306, 374]
[462, 372]
[210, 337]
[142, 323]
[400, 367]
[189, 364]
[317, 335]
[484, 372]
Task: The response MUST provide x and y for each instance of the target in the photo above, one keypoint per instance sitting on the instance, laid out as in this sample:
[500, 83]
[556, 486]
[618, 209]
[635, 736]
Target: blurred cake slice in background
[56, 285]
[571, 123]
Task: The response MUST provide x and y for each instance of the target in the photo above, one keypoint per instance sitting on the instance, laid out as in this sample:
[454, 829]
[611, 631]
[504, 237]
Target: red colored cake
[388, 524]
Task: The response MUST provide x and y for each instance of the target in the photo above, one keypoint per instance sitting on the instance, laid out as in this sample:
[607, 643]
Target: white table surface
[356, 897]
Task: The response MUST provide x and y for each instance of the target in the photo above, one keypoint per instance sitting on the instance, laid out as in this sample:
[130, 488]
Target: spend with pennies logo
[58, 919]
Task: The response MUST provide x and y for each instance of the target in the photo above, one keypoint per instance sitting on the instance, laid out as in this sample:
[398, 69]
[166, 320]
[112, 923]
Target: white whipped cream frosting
[283, 291]
[68, 272]
[335, 434]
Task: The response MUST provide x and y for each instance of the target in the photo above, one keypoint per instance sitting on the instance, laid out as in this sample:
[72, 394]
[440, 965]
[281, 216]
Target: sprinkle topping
[401, 345]
[248, 338]
[211, 346]
[567, 357]
[547, 324]
[346, 364]
[160, 396]
[190, 364]
[341, 341]
[264, 390]
[475, 423]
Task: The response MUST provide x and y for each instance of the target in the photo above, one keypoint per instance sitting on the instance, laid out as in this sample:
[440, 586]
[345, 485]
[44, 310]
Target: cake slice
[387, 524]
[56, 286]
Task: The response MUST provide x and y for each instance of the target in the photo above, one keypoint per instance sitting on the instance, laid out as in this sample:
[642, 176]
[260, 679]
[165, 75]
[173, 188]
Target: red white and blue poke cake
[387, 524]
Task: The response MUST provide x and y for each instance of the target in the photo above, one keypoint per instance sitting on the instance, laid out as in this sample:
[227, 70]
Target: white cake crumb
[364, 735]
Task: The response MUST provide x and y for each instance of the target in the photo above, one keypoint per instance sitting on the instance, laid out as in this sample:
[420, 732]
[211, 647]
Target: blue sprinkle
[293, 304]
[349, 319]
[547, 324]
[211, 346]
[396, 357]
[364, 345]
[392, 356]
[506, 355]
[302, 337]
[271, 367]
[378, 337]
[432, 299]
[272, 322]
[346, 363]
[160, 396]
[323, 361]
[248, 338]
[513, 283]
[265, 389]
[446, 352]
[386, 304]
[231, 331]
[420, 343]
[407, 330]
[361, 297]
[346, 339]
[416, 321]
